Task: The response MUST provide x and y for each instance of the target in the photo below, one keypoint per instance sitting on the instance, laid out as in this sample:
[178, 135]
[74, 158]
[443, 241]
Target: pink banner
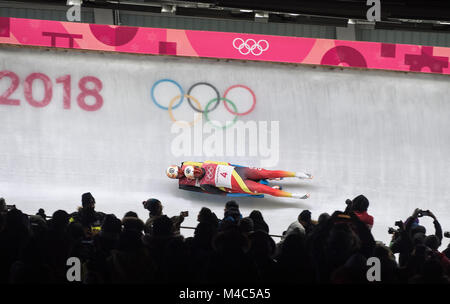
[142, 40]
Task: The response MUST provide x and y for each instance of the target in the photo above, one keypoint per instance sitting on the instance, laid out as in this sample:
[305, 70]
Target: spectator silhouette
[155, 209]
[258, 221]
[352, 272]
[359, 206]
[333, 243]
[157, 242]
[13, 238]
[230, 261]
[41, 213]
[207, 216]
[389, 267]
[304, 218]
[293, 261]
[200, 249]
[246, 226]
[58, 244]
[3, 208]
[235, 250]
[232, 215]
[131, 214]
[430, 272]
[131, 262]
[323, 218]
[87, 216]
[411, 234]
[31, 266]
[262, 251]
[294, 227]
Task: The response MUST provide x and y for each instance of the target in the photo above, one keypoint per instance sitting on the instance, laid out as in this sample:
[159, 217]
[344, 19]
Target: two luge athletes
[222, 178]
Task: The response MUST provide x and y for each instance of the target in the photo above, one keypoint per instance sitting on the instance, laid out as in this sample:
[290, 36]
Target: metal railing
[193, 228]
[181, 227]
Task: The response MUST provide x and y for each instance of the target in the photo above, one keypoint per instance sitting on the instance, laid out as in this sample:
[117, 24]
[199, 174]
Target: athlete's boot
[300, 196]
[303, 175]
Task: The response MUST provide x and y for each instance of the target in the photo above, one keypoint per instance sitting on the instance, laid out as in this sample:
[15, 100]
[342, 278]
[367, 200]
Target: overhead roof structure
[430, 15]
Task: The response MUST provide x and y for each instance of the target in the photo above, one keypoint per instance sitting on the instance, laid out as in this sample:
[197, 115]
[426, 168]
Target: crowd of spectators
[234, 249]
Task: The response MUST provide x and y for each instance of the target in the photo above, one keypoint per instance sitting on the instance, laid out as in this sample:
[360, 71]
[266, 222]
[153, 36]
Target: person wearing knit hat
[87, 216]
[87, 200]
[360, 204]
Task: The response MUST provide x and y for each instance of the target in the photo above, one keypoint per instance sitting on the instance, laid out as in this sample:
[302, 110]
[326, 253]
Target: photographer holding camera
[410, 234]
[414, 221]
[155, 209]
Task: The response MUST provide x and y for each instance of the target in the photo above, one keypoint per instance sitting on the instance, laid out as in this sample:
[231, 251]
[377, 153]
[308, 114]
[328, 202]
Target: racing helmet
[193, 172]
[173, 171]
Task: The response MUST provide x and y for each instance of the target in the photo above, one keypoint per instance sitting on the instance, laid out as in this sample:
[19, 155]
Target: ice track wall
[77, 122]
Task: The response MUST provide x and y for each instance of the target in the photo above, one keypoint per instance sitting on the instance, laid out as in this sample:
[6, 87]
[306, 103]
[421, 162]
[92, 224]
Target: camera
[392, 230]
[423, 213]
[447, 234]
[185, 213]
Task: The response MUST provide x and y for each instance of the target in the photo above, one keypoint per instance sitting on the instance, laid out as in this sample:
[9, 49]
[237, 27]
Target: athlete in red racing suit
[222, 178]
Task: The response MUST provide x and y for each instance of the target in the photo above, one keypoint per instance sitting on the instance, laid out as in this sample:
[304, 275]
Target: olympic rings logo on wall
[193, 102]
[250, 46]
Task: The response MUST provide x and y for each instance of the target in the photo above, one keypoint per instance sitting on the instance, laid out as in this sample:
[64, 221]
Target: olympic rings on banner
[206, 84]
[197, 107]
[225, 101]
[171, 81]
[248, 46]
[251, 92]
[170, 108]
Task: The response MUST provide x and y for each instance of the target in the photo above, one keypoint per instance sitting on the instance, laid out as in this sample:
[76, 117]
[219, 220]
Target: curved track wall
[77, 122]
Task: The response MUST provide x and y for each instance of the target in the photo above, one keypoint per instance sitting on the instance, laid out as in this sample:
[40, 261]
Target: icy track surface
[382, 134]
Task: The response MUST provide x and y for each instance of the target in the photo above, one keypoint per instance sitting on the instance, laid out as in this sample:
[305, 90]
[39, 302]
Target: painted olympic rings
[235, 112]
[187, 96]
[225, 101]
[171, 81]
[206, 84]
[197, 107]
